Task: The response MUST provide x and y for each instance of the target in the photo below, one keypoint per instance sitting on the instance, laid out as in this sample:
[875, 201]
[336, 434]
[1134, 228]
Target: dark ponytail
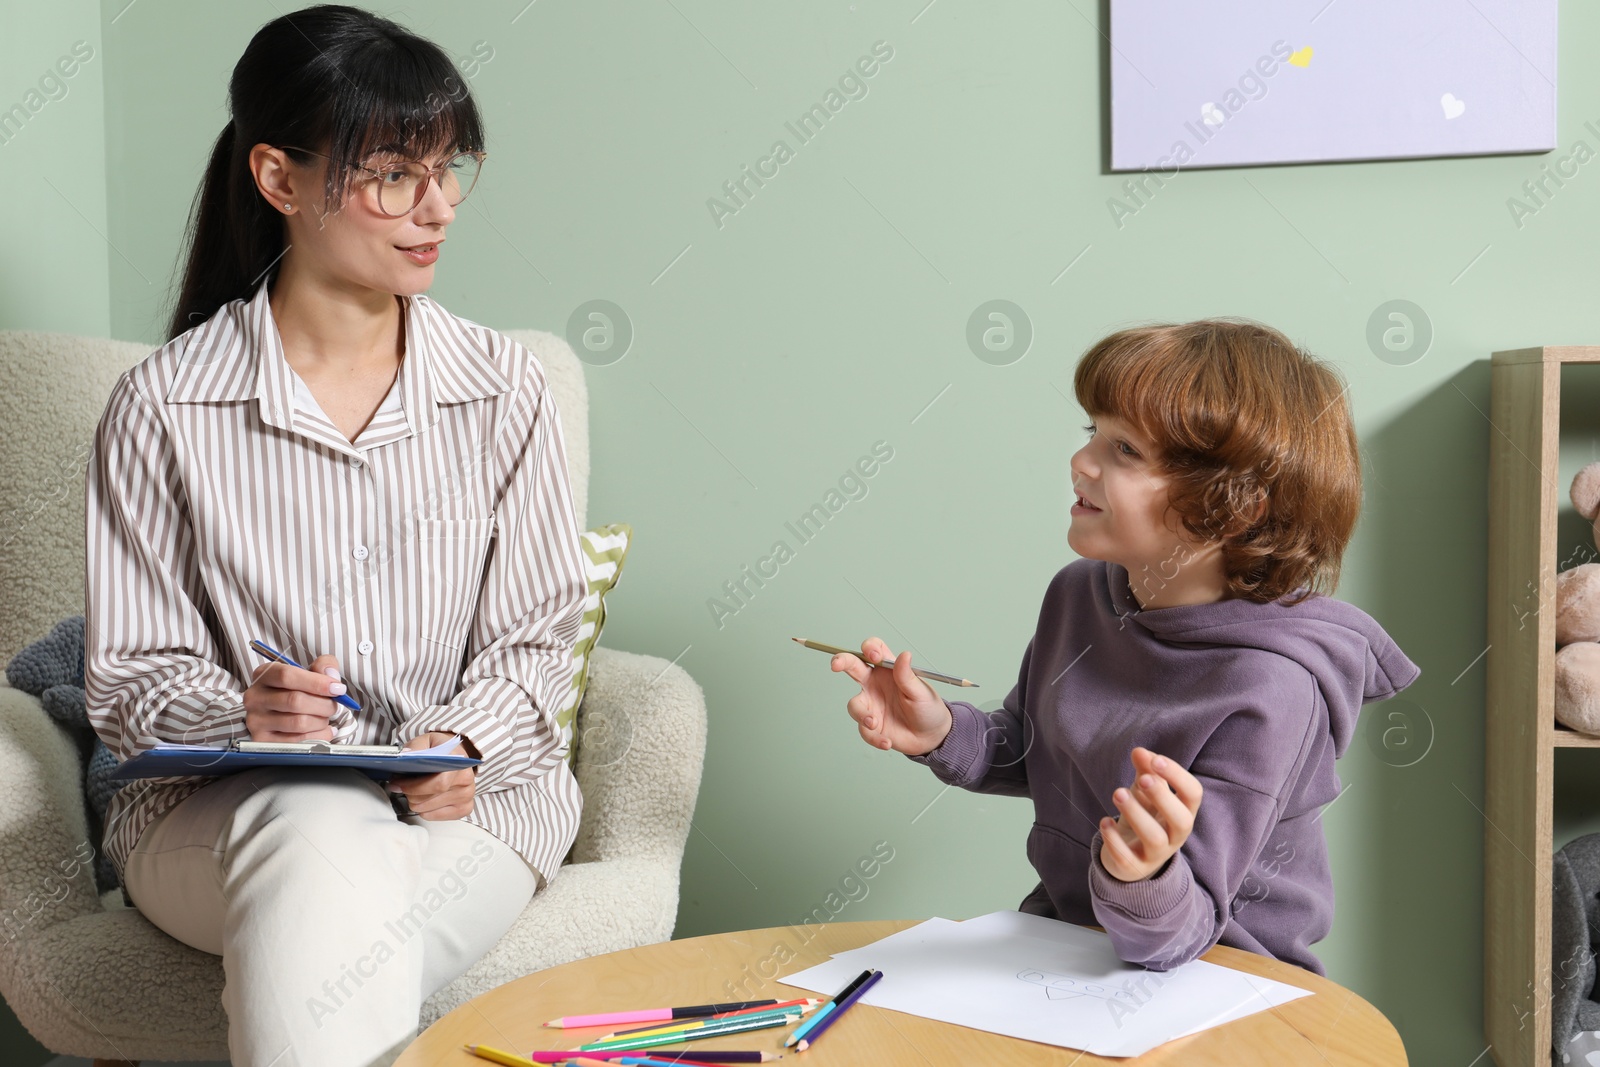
[330, 79]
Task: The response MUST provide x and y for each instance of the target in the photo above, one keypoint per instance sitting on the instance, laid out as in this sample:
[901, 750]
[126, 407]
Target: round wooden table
[1331, 1028]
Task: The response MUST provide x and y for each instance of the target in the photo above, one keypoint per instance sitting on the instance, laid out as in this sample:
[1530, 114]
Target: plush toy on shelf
[1578, 621]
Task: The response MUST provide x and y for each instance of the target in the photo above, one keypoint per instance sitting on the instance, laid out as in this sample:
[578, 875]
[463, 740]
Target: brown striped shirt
[436, 556]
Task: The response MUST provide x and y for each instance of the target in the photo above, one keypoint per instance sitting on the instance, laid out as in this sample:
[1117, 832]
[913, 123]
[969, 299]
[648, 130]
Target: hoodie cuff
[1149, 898]
[957, 758]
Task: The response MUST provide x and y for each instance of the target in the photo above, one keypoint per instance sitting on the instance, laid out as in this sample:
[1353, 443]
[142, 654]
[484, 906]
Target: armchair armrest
[46, 857]
[641, 742]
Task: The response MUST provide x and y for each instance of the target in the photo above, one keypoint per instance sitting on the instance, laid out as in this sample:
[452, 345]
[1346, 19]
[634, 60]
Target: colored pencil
[732, 1026]
[494, 1055]
[932, 676]
[653, 1015]
[833, 1017]
[710, 1055]
[805, 1028]
[669, 1034]
[802, 1004]
[804, 1007]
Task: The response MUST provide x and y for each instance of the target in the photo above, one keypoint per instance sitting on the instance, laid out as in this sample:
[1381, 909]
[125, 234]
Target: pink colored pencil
[716, 1056]
[711, 1058]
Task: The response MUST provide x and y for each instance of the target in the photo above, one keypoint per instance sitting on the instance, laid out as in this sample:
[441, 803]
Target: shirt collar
[444, 363]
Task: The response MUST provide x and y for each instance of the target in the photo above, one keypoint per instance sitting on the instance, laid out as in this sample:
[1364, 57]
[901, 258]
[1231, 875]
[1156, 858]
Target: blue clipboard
[169, 760]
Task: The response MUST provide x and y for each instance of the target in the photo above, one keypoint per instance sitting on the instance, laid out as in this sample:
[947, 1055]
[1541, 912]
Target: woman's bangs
[409, 106]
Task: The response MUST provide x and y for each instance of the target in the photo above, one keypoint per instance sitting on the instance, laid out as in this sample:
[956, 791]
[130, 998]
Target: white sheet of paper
[1270, 994]
[1042, 980]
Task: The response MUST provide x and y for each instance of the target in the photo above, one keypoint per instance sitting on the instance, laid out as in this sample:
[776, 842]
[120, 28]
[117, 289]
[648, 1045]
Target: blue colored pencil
[833, 1016]
[805, 1028]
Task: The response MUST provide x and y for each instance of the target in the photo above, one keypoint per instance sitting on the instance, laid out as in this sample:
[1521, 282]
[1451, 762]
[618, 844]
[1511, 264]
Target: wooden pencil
[710, 1055]
[652, 1015]
[730, 1026]
[494, 1055]
[827, 1009]
[804, 1007]
[932, 676]
[833, 1016]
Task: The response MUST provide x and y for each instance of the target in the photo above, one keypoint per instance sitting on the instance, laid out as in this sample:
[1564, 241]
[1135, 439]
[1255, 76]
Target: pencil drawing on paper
[1066, 987]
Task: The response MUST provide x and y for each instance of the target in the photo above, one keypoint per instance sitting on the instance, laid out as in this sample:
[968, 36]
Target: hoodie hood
[1352, 659]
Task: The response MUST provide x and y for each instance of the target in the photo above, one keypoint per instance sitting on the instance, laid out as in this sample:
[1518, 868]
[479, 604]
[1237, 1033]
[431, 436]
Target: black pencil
[833, 1016]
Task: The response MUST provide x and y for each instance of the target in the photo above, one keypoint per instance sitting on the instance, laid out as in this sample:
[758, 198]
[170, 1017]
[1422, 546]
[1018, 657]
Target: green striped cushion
[604, 550]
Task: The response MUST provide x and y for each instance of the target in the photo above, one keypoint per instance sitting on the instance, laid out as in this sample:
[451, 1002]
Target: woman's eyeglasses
[403, 183]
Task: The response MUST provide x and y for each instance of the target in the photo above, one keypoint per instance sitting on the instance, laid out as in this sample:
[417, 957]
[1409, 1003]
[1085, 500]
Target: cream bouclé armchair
[91, 977]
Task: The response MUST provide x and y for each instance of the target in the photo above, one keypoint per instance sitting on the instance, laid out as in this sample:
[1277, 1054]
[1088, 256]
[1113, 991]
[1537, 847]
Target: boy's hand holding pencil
[895, 709]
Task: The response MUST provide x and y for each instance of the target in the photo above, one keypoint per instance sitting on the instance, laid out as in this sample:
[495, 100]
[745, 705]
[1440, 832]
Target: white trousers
[335, 918]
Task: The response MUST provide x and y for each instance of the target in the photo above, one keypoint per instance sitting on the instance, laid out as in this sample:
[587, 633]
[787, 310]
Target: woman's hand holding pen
[1157, 816]
[444, 794]
[895, 709]
[287, 703]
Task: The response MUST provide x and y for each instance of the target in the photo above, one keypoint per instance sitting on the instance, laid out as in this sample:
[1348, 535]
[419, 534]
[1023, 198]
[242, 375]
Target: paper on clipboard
[177, 760]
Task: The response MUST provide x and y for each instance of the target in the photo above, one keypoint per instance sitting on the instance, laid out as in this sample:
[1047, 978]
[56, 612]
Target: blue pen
[272, 653]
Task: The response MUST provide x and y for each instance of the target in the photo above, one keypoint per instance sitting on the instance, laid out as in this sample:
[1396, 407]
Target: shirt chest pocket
[447, 567]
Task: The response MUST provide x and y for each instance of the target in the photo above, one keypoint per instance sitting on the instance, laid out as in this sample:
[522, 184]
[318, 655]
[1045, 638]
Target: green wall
[55, 273]
[829, 313]
[55, 268]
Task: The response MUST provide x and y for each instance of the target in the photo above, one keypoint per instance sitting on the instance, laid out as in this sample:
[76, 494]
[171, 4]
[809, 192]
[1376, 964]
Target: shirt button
[359, 552]
[355, 461]
[365, 648]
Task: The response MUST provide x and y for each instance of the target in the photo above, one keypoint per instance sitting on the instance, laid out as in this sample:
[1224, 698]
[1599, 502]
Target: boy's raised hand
[895, 709]
[1157, 816]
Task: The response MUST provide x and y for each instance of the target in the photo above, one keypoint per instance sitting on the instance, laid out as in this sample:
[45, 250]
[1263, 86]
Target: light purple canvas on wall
[1289, 81]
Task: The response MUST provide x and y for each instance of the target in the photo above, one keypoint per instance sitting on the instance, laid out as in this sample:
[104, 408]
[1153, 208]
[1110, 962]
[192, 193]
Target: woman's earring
[288, 207]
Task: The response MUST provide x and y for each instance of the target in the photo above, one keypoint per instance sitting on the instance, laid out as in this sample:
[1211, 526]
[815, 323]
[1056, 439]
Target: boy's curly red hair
[1255, 438]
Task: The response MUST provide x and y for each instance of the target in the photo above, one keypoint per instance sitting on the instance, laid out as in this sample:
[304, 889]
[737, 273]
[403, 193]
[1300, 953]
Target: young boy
[1194, 639]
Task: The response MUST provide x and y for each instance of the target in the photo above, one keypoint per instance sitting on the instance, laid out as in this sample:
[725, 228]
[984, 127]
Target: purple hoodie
[1256, 700]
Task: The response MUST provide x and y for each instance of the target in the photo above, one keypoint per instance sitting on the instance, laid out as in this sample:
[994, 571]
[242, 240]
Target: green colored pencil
[805, 1008]
[657, 1040]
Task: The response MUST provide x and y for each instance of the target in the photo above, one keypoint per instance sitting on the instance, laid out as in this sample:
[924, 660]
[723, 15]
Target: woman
[325, 459]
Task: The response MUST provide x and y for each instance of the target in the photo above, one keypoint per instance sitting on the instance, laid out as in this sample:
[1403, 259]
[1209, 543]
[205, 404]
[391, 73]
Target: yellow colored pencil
[494, 1055]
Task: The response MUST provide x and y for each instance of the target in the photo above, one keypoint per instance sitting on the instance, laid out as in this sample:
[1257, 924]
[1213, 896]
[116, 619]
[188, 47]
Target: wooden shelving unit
[1525, 491]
